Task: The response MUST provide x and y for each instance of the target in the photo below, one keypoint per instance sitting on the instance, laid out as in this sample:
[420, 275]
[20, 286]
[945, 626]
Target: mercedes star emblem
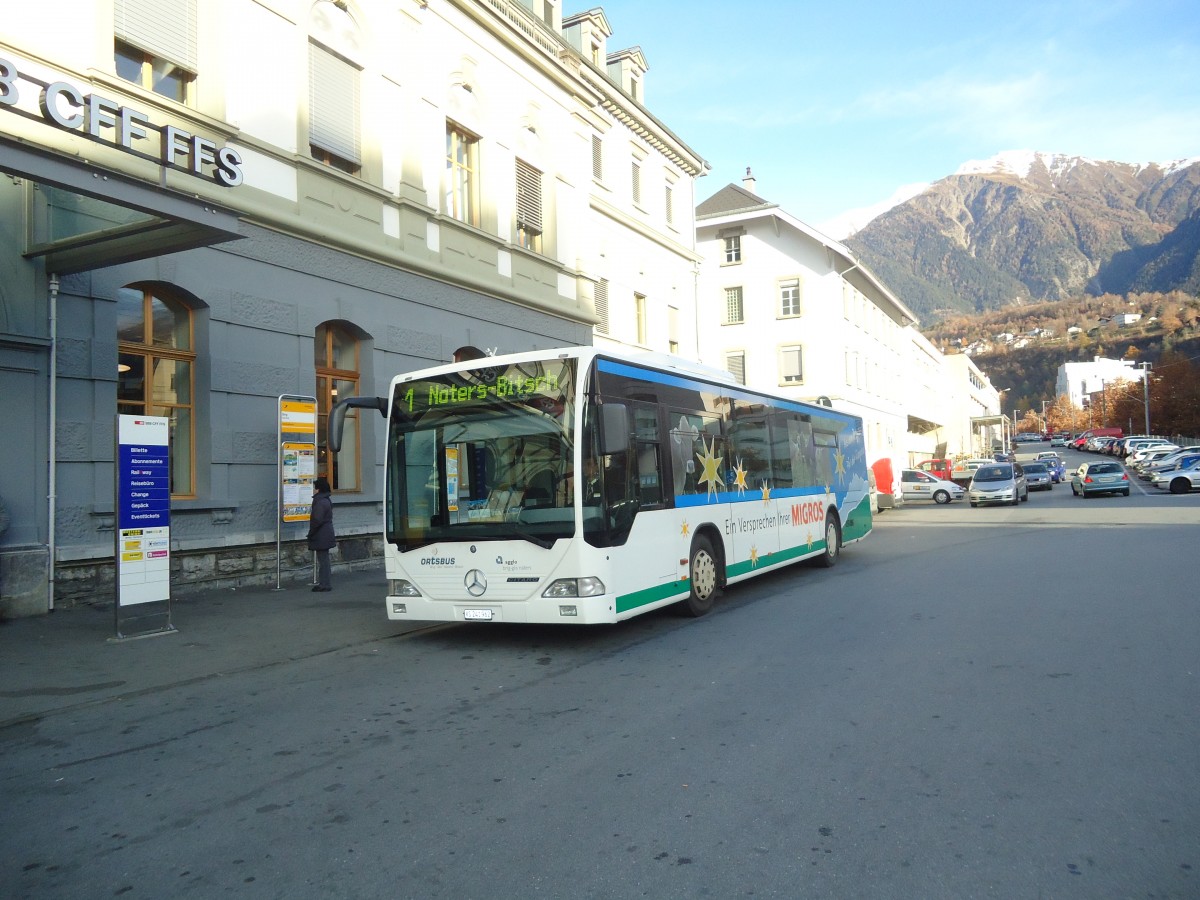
[476, 583]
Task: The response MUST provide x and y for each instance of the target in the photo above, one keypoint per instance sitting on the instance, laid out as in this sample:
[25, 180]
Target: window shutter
[601, 294]
[333, 104]
[637, 183]
[529, 197]
[669, 206]
[791, 364]
[735, 363]
[165, 29]
[597, 158]
[733, 305]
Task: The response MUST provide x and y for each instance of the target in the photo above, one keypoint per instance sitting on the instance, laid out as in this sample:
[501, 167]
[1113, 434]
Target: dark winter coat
[320, 523]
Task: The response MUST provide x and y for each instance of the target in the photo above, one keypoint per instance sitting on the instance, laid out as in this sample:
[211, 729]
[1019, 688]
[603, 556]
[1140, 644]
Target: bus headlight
[398, 587]
[575, 587]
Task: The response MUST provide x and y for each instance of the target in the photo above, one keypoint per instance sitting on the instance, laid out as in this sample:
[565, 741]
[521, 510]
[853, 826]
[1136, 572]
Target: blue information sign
[143, 532]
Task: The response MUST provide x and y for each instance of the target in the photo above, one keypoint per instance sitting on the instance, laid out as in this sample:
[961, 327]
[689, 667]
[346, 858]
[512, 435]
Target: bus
[585, 486]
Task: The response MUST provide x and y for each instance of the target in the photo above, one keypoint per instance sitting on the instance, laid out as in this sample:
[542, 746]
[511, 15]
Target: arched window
[336, 356]
[156, 364]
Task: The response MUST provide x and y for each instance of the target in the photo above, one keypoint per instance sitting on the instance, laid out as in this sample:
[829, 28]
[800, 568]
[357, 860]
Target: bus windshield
[482, 454]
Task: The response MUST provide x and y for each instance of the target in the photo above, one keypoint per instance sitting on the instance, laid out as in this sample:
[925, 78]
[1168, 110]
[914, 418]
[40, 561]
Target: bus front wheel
[702, 572]
[833, 543]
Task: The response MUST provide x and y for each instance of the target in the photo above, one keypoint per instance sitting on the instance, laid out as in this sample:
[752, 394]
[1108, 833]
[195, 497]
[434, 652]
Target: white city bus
[586, 486]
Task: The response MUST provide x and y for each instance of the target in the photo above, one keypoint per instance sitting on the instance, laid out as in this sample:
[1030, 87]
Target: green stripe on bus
[626, 602]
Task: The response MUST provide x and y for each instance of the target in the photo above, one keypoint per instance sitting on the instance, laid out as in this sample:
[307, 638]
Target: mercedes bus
[588, 486]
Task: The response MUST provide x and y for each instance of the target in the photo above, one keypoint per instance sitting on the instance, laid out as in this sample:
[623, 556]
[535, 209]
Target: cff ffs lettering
[65, 106]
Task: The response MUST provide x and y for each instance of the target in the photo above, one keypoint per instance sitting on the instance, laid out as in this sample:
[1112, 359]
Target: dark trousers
[323, 570]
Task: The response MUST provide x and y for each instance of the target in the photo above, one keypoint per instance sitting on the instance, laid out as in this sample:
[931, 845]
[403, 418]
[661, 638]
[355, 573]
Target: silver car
[998, 483]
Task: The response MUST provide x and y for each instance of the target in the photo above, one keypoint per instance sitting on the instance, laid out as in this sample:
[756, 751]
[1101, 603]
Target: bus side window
[750, 447]
[649, 461]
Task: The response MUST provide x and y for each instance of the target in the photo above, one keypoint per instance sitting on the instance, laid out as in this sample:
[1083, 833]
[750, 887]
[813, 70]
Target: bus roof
[647, 358]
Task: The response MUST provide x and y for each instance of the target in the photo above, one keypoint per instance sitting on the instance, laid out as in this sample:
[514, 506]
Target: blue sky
[835, 106]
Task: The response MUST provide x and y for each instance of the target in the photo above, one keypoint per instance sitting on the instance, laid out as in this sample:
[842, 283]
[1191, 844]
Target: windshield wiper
[534, 539]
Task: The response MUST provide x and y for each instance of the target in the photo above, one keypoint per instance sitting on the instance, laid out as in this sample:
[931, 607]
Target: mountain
[1031, 226]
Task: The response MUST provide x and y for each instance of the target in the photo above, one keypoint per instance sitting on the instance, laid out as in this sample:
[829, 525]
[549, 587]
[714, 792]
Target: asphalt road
[993, 702]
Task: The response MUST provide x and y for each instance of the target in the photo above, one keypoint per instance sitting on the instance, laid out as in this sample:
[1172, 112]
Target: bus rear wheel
[702, 573]
[833, 543]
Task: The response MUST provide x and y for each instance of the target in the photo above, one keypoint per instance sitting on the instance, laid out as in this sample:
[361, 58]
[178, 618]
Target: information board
[143, 510]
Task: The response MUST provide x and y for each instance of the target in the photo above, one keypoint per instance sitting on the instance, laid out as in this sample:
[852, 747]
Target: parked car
[1135, 444]
[1149, 454]
[938, 468]
[1059, 440]
[1179, 459]
[1058, 469]
[998, 483]
[1102, 477]
[1037, 476]
[918, 485]
[1178, 481]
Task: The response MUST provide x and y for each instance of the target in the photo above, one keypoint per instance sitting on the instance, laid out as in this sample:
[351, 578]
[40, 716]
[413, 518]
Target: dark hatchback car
[1038, 476]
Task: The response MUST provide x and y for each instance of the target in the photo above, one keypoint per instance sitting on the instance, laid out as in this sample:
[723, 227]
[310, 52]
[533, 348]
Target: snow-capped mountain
[1029, 225]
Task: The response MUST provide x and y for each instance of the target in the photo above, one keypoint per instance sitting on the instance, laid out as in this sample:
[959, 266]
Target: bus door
[753, 532]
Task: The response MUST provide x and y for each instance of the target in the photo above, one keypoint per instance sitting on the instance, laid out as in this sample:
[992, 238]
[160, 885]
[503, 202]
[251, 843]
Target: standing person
[320, 531]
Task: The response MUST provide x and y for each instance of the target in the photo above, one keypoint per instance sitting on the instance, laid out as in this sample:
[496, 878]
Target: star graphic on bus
[766, 492]
[753, 557]
[710, 467]
[739, 477]
[808, 535]
[839, 460]
[685, 528]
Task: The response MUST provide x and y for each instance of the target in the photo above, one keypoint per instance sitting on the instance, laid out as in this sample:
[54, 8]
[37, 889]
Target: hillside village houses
[787, 309]
[208, 207]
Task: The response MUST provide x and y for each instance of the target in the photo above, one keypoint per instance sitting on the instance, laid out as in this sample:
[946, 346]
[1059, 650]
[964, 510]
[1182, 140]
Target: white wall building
[1077, 380]
[316, 195]
[789, 310]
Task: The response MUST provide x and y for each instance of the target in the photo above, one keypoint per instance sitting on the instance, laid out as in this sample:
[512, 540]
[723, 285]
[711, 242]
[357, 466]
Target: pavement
[71, 658]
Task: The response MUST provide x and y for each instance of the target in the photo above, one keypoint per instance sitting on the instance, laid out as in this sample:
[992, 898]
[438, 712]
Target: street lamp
[1145, 367]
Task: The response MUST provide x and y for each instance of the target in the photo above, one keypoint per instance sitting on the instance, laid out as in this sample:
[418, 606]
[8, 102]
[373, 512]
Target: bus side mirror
[614, 428]
[337, 416]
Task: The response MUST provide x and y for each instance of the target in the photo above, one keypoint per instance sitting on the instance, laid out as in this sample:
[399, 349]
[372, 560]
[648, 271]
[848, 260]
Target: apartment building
[208, 207]
[788, 309]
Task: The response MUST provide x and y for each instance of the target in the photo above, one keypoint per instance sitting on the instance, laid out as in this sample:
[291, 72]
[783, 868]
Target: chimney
[748, 181]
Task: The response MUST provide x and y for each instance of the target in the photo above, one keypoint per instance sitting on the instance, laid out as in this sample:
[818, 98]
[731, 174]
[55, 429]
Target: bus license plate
[484, 615]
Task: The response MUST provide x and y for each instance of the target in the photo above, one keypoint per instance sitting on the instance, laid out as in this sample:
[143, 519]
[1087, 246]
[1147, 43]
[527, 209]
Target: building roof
[729, 199]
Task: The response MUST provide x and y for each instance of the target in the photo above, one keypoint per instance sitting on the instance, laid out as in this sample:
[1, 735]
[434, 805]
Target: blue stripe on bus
[616, 368]
[750, 496]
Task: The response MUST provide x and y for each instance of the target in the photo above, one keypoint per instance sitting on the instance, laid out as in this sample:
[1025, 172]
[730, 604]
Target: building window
[669, 204]
[156, 373]
[733, 306]
[529, 207]
[735, 364]
[635, 186]
[597, 157]
[789, 297]
[639, 307]
[336, 357]
[333, 121]
[156, 45]
[601, 295]
[791, 364]
[462, 175]
[733, 249]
